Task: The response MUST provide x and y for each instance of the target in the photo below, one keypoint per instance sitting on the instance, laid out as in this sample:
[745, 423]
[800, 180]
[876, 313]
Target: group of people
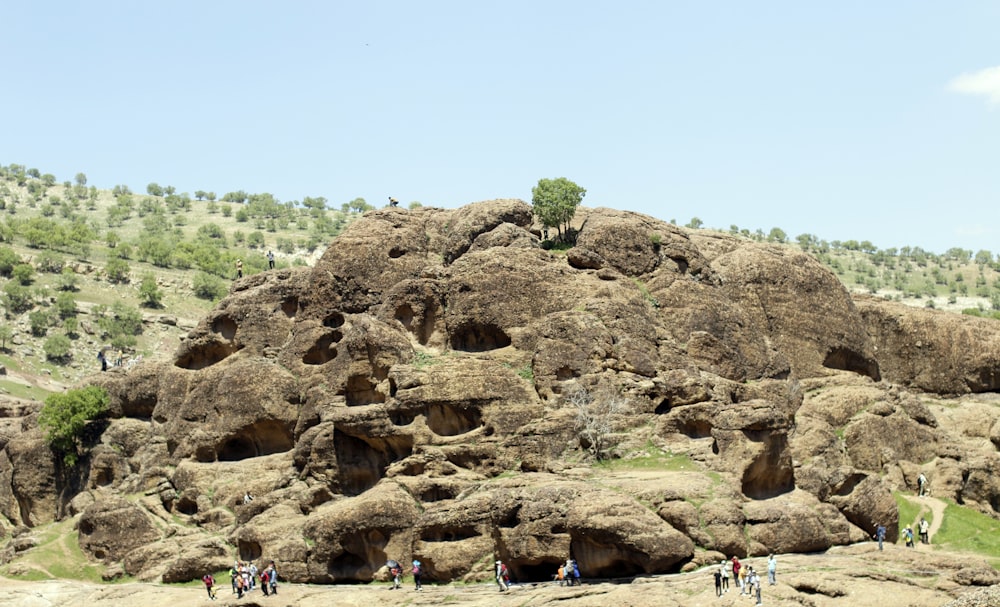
[396, 571]
[747, 580]
[245, 577]
[568, 574]
[923, 528]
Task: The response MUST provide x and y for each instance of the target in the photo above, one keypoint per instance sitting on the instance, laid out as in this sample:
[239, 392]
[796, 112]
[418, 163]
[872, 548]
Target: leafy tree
[554, 202]
[211, 231]
[50, 262]
[8, 259]
[207, 286]
[695, 223]
[68, 279]
[49, 180]
[117, 270]
[149, 291]
[40, 321]
[256, 240]
[6, 333]
[81, 179]
[111, 238]
[57, 348]
[154, 189]
[70, 326]
[210, 196]
[64, 417]
[65, 304]
[359, 205]
[23, 273]
[777, 235]
[120, 324]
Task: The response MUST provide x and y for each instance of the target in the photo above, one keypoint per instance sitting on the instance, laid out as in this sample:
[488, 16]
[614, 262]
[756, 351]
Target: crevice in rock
[846, 359]
[437, 493]
[361, 462]
[401, 417]
[445, 420]
[360, 390]
[565, 373]
[663, 407]
[479, 338]
[396, 252]
[324, 350]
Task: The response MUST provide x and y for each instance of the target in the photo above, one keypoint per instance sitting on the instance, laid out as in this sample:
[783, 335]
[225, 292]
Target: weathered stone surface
[112, 527]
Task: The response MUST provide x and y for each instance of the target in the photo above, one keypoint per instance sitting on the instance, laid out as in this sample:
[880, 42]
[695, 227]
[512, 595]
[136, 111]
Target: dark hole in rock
[479, 338]
[392, 388]
[848, 485]
[404, 314]
[682, 264]
[559, 528]
[395, 252]
[224, 326]
[86, 527]
[206, 355]
[363, 553]
[509, 519]
[334, 320]
[606, 560]
[401, 417]
[249, 551]
[469, 460]
[566, 373]
[141, 408]
[262, 438]
[360, 390]
[290, 306]
[186, 505]
[770, 473]
[445, 420]
[663, 407]
[534, 570]
[103, 477]
[695, 428]
[437, 493]
[448, 534]
[323, 351]
[848, 360]
[361, 462]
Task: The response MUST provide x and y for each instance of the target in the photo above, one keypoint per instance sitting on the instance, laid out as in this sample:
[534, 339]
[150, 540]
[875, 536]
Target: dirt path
[934, 506]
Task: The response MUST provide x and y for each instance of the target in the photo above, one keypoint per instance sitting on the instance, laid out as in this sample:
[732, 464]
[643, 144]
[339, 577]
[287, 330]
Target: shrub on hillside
[209, 287]
[64, 417]
[57, 348]
[8, 259]
[117, 270]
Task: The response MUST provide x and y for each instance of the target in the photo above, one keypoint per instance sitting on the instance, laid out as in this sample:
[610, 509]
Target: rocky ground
[857, 575]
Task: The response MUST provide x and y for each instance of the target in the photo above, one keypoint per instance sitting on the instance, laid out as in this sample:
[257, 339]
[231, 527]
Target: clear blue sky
[856, 120]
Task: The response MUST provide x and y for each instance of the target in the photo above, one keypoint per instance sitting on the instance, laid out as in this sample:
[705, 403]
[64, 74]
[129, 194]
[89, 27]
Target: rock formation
[439, 384]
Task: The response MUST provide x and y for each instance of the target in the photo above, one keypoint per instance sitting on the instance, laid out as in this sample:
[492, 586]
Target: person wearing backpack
[503, 579]
[416, 574]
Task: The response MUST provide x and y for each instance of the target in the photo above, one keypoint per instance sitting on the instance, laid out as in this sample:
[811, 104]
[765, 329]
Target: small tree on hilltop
[554, 202]
[595, 416]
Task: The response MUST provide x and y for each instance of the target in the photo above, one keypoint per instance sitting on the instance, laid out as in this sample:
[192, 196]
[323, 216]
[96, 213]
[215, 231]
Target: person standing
[772, 570]
[239, 268]
[500, 570]
[209, 585]
[270, 260]
[922, 484]
[718, 581]
[736, 573]
[880, 535]
[417, 572]
[272, 577]
[725, 575]
[925, 528]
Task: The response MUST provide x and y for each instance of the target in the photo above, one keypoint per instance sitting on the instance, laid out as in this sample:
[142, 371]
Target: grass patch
[966, 530]
[651, 459]
[57, 556]
[908, 511]
[20, 390]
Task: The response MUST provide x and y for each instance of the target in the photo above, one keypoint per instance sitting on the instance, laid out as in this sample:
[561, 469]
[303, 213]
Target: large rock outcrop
[439, 385]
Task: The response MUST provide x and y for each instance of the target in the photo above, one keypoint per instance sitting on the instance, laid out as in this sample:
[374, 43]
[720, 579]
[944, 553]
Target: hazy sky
[856, 120]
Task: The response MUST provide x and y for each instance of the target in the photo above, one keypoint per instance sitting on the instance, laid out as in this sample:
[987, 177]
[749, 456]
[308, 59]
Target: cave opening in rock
[225, 326]
[290, 306]
[360, 390]
[695, 428]
[361, 462]
[363, 553]
[249, 551]
[404, 314]
[186, 505]
[206, 355]
[534, 570]
[438, 493]
[262, 438]
[448, 533]
[770, 473]
[479, 338]
[663, 407]
[396, 252]
[324, 350]
[446, 420]
[846, 359]
[334, 320]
